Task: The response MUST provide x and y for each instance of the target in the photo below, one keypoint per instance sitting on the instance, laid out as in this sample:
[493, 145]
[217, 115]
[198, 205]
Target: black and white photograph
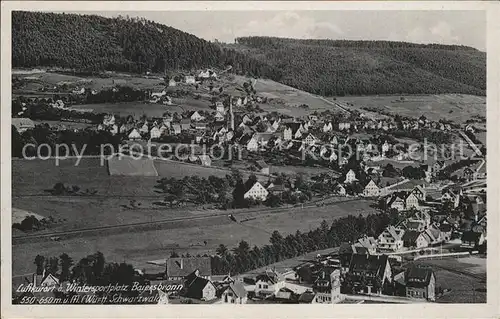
[247, 157]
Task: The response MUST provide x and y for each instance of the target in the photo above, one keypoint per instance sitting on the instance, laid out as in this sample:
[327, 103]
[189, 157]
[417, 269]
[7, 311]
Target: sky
[444, 27]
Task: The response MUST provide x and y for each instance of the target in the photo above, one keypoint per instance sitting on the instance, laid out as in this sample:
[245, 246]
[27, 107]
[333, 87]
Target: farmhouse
[134, 135]
[189, 79]
[257, 192]
[420, 283]
[396, 202]
[268, 283]
[350, 177]
[219, 117]
[263, 167]
[371, 189]
[374, 269]
[411, 201]
[309, 140]
[179, 268]
[419, 192]
[199, 288]
[23, 124]
[415, 239]
[235, 293]
[176, 128]
[391, 239]
[155, 133]
[195, 116]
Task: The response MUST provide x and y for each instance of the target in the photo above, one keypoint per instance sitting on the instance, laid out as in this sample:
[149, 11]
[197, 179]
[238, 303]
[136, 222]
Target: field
[455, 107]
[129, 166]
[140, 247]
[466, 277]
[96, 83]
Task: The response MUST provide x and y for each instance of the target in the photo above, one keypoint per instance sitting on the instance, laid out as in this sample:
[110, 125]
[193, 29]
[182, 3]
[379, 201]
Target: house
[155, 133]
[108, 119]
[189, 79]
[179, 268]
[114, 129]
[371, 189]
[205, 160]
[284, 294]
[472, 239]
[219, 117]
[327, 127]
[396, 202]
[134, 135]
[276, 189]
[257, 192]
[235, 293]
[172, 82]
[385, 148]
[327, 286]
[374, 270]
[344, 126]
[199, 288]
[309, 140]
[415, 239]
[340, 189]
[176, 128]
[207, 74]
[448, 195]
[369, 243]
[391, 239]
[420, 283]
[411, 201]
[185, 124]
[268, 283]
[195, 116]
[293, 131]
[350, 177]
[446, 230]
[263, 167]
[23, 124]
[144, 128]
[419, 193]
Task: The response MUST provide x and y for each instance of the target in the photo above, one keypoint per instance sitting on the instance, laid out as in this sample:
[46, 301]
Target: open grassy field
[455, 107]
[466, 277]
[128, 166]
[140, 247]
[94, 82]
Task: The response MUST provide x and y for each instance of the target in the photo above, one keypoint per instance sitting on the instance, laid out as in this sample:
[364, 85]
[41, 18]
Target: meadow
[138, 248]
[455, 107]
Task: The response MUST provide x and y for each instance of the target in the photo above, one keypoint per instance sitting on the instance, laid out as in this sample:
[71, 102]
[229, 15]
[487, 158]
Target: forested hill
[326, 67]
[94, 43]
[338, 67]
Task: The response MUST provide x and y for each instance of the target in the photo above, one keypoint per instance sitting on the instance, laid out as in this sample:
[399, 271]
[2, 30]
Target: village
[436, 203]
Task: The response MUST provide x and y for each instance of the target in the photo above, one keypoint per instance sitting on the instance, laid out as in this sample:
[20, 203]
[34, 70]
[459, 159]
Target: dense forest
[94, 43]
[338, 67]
[90, 43]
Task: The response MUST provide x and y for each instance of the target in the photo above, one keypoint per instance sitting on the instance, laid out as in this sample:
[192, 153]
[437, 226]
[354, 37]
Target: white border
[489, 310]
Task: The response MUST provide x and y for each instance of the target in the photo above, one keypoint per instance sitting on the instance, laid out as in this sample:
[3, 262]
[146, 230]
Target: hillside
[333, 68]
[94, 43]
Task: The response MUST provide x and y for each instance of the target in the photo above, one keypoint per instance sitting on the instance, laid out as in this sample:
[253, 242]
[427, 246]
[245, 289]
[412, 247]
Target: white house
[155, 133]
[350, 177]
[309, 140]
[108, 120]
[257, 192]
[268, 283]
[411, 201]
[23, 124]
[195, 116]
[158, 94]
[371, 189]
[219, 117]
[327, 127]
[189, 79]
[235, 293]
[390, 239]
[114, 129]
[134, 135]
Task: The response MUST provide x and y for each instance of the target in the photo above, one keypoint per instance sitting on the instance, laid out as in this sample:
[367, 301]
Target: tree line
[244, 258]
